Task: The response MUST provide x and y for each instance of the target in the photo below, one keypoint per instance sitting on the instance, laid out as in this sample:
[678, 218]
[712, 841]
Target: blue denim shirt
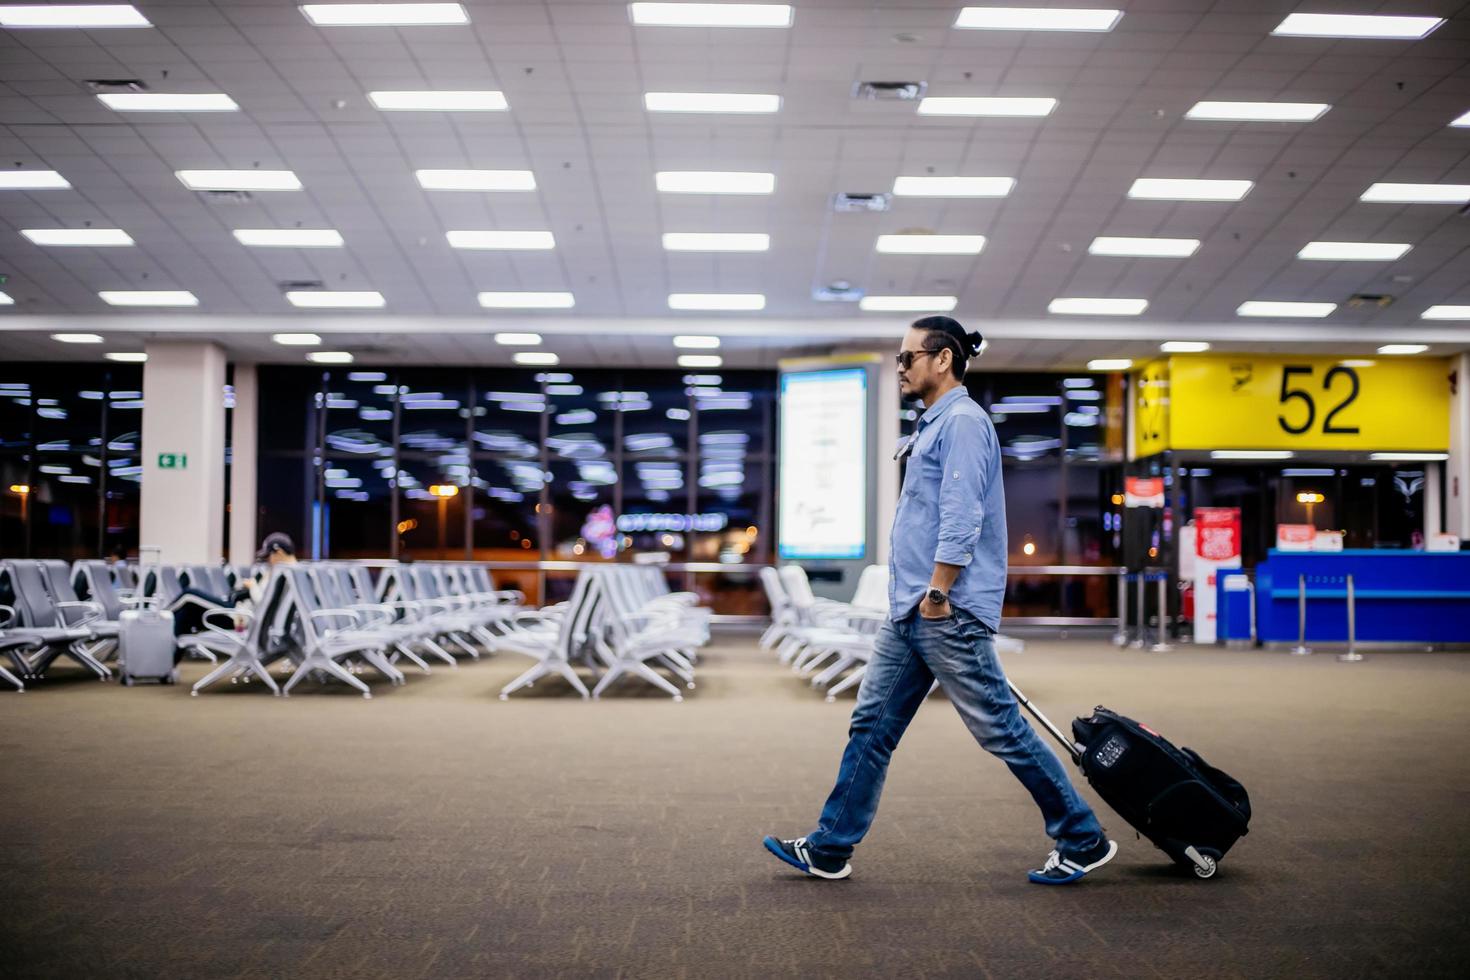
[952, 510]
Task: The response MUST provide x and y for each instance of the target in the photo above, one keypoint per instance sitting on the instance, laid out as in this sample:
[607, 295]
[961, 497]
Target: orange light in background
[1029, 548]
[1309, 497]
[405, 526]
[1153, 552]
[525, 542]
[20, 488]
[1117, 500]
[444, 490]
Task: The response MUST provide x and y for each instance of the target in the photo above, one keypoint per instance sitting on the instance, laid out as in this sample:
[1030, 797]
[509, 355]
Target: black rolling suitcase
[1190, 810]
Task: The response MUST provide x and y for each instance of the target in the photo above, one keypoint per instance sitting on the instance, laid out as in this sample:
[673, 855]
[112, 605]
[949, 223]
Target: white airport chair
[554, 648]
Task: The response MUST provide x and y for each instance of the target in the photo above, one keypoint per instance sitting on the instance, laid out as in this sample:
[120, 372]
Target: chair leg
[467, 648]
[613, 673]
[531, 676]
[856, 677]
[236, 662]
[6, 675]
[831, 673]
[258, 669]
[407, 651]
[653, 677]
[381, 665]
[438, 651]
[78, 652]
[328, 666]
[565, 669]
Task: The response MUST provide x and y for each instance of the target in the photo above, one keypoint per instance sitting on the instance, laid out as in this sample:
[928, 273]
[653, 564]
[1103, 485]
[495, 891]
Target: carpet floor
[436, 831]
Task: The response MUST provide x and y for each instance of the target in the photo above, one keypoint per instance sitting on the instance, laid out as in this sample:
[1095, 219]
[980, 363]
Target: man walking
[947, 579]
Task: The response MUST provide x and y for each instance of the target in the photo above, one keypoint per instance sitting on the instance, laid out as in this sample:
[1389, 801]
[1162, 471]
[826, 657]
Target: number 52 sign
[1306, 403]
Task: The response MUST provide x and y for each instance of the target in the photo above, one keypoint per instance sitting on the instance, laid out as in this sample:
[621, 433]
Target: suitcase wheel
[1211, 863]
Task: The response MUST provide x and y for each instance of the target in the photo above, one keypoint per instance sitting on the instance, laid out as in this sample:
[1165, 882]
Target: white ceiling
[574, 74]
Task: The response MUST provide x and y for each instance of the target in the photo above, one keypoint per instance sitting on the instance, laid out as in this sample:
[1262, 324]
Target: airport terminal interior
[473, 475]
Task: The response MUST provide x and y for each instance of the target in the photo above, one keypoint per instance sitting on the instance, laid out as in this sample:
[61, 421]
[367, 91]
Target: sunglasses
[905, 358]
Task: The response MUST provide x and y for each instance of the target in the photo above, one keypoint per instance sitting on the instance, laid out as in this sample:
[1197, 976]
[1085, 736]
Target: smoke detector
[890, 91]
[848, 202]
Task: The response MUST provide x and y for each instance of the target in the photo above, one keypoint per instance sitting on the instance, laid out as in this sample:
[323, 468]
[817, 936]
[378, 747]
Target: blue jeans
[959, 652]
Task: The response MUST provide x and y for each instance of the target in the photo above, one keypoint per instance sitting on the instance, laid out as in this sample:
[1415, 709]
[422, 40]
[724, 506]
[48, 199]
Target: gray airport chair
[42, 627]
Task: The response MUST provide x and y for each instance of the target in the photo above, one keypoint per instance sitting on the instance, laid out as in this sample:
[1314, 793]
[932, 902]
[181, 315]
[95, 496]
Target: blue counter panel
[1401, 596]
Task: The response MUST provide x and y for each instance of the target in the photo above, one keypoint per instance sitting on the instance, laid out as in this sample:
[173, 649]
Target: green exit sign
[173, 461]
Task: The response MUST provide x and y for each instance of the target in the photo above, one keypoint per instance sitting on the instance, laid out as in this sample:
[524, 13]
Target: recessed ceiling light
[1270, 308]
[1353, 251]
[1462, 121]
[355, 299]
[710, 102]
[700, 360]
[1251, 454]
[1386, 193]
[1403, 348]
[239, 180]
[1446, 313]
[515, 240]
[296, 339]
[536, 357]
[1109, 364]
[931, 244]
[987, 106]
[710, 14]
[1184, 346]
[330, 357]
[32, 180]
[1357, 25]
[89, 16]
[148, 297]
[1257, 111]
[907, 304]
[717, 301]
[126, 357]
[384, 14]
[699, 241]
[5, 299]
[289, 237]
[94, 237]
[1096, 306]
[713, 182]
[1409, 457]
[476, 180]
[1036, 19]
[1173, 189]
[1148, 248]
[696, 342]
[77, 338]
[953, 186]
[1357, 362]
[431, 101]
[168, 102]
[518, 339]
[527, 301]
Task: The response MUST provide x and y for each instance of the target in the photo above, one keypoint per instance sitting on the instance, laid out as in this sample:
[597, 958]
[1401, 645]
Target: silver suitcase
[145, 645]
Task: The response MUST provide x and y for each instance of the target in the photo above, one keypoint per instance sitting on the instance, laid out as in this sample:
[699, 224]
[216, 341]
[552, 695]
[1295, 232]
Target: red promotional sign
[1217, 533]
[1143, 491]
[1295, 537]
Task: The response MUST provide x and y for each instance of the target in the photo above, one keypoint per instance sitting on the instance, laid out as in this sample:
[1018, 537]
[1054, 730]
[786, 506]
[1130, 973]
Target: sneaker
[800, 856]
[1060, 870]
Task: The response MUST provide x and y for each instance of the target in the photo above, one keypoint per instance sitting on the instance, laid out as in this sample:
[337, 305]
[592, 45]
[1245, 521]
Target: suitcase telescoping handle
[1071, 746]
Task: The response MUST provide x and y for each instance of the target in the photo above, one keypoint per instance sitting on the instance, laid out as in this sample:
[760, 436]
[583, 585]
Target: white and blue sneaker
[800, 856]
[1060, 870]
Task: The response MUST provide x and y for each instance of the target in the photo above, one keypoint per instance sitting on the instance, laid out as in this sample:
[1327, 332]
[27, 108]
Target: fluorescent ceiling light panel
[1257, 111]
[713, 182]
[93, 237]
[1036, 19]
[1463, 121]
[32, 180]
[384, 14]
[1353, 251]
[700, 360]
[1096, 306]
[429, 101]
[355, 299]
[1446, 313]
[296, 339]
[518, 339]
[536, 357]
[1173, 189]
[527, 301]
[1387, 193]
[77, 338]
[1252, 454]
[907, 304]
[329, 357]
[476, 180]
[696, 342]
[710, 102]
[126, 357]
[1109, 364]
[985, 106]
[1270, 308]
[289, 237]
[931, 244]
[148, 297]
[953, 186]
[710, 14]
[1357, 25]
[1147, 248]
[511, 240]
[168, 102]
[239, 180]
[90, 16]
[1403, 348]
[1184, 346]
[1409, 457]
[717, 301]
[696, 241]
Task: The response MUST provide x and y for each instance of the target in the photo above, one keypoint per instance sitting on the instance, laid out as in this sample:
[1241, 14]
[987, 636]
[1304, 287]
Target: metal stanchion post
[1352, 655]
[1163, 645]
[1120, 638]
[1137, 643]
[1301, 649]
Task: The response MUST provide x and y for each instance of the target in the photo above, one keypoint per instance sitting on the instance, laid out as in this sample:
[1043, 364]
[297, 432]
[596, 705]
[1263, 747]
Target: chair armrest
[232, 633]
[351, 614]
[94, 608]
[10, 616]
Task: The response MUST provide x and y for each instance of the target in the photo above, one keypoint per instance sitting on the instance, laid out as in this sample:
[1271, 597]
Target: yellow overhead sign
[1249, 401]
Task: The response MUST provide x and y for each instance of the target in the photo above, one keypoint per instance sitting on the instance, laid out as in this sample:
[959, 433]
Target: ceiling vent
[105, 85]
[1358, 301]
[890, 91]
[840, 291]
[861, 202]
[298, 285]
[227, 197]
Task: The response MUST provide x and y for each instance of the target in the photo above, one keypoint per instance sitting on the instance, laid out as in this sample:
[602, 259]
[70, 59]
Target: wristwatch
[936, 597]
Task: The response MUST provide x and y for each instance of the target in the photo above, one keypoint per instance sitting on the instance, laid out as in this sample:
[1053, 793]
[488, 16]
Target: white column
[184, 451]
[243, 454]
[885, 484]
[1457, 469]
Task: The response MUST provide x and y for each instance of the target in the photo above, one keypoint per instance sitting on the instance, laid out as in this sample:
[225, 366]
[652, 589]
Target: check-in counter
[1399, 596]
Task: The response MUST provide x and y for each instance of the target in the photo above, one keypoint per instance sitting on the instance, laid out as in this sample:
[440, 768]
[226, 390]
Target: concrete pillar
[184, 451]
[243, 455]
[1457, 468]
[885, 485]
